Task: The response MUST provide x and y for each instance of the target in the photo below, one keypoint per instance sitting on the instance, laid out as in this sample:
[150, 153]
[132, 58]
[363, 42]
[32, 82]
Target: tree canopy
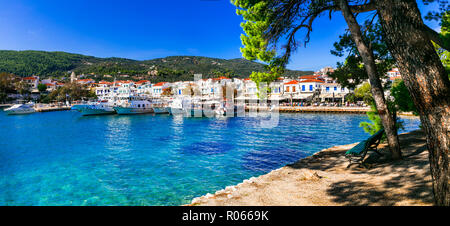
[169, 69]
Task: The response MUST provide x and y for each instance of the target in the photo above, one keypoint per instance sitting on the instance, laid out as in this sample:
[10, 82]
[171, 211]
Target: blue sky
[139, 29]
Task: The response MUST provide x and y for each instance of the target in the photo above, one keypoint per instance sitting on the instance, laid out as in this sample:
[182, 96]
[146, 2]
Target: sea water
[63, 158]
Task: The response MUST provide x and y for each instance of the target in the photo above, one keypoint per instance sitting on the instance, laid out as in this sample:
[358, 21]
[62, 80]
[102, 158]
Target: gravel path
[323, 179]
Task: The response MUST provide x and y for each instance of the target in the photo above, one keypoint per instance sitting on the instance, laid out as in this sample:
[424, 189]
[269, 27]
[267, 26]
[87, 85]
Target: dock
[335, 110]
[51, 108]
[5, 105]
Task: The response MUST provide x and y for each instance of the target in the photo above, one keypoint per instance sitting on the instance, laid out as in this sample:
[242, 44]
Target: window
[303, 88]
[287, 88]
[335, 88]
[293, 89]
[328, 89]
[311, 87]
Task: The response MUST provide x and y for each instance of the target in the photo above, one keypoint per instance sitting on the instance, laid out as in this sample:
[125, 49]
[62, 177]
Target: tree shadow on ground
[383, 181]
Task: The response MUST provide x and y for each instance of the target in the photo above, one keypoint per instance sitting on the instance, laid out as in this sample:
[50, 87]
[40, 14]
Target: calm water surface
[61, 158]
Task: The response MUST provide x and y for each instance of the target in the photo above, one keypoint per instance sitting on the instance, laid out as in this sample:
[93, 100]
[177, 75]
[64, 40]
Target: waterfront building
[333, 92]
[292, 88]
[211, 88]
[310, 88]
[103, 89]
[250, 90]
[143, 88]
[158, 89]
[276, 90]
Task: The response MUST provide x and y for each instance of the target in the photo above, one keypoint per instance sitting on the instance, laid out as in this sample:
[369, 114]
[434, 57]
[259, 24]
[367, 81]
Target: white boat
[191, 108]
[160, 107]
[100, 108]
[177, 107]
[20, 109]
[134, 107]
[79, 106]
[161, 110]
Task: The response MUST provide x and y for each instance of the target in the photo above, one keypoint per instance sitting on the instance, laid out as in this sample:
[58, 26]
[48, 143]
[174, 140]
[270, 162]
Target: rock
[310, 175]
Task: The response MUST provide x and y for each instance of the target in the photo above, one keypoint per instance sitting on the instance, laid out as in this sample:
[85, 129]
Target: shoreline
[323, 179]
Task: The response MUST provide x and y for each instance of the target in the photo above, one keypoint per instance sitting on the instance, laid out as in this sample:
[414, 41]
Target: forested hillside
[173, 68]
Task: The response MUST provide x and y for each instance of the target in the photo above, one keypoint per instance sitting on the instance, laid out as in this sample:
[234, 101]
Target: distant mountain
[173, 68]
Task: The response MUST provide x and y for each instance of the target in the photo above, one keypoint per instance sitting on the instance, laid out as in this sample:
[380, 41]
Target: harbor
[63, 158]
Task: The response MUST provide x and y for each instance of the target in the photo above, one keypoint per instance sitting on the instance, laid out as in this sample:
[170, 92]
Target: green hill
[173, 68]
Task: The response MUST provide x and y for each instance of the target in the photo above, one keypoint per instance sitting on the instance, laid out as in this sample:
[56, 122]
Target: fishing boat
[134, 107]
[99, 108]
[79, 106]
[160, 107]
[20, 109]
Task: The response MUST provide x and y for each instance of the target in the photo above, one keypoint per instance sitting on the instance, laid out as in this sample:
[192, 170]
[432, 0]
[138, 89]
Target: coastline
[323, 179]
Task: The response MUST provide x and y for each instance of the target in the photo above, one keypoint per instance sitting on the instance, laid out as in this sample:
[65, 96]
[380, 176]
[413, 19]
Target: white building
[143, 88]
[394, 74]
[158, 89]
[333, 92]
[32, 82]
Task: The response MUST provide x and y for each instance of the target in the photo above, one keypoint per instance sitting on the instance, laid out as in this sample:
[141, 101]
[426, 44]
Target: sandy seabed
[323, 179]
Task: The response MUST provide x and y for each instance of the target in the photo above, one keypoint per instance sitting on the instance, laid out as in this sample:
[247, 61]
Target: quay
[343, 110]
[43, 108]
[5, 105]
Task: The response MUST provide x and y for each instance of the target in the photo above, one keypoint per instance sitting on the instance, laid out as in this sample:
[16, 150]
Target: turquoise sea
[62, 158]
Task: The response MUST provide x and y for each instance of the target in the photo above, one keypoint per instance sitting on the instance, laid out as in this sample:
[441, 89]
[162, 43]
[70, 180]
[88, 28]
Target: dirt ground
[324, 179]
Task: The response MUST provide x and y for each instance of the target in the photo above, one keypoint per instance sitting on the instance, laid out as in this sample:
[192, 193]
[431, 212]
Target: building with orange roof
[158, 89]
[303, 77]
[85, 81]
[31, 81]
[140, 82]
[291, 87]
[394, 74]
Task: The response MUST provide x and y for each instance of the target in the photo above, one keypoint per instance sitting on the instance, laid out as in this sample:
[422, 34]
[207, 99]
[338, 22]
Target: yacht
[134, 107]
[99, 108]
[20, 109]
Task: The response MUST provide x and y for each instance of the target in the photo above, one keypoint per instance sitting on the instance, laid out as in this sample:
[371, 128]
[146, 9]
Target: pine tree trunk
[427, 81]
[366, 53]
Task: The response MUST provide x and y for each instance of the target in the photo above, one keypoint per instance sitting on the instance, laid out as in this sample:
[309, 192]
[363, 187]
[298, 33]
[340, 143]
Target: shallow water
[62, 158]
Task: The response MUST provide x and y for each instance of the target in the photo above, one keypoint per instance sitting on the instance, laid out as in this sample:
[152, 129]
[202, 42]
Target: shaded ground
[324, 179]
